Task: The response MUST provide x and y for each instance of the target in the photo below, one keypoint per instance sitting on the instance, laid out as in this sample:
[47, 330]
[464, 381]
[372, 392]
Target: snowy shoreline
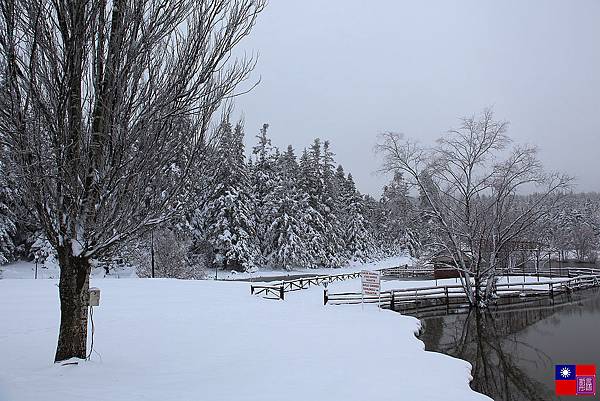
[178, 340]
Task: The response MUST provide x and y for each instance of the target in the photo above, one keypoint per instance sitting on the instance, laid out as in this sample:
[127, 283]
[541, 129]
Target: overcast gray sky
[347, 70]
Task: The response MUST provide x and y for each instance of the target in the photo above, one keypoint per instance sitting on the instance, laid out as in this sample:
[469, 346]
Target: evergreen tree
[262, 179]
[329, 204]
[358, 240]
[375, 216]
[227, 219]
[397, 208]
[289, 231]
[396, 221]
[311, 184]
[282, 212]
[575, 228]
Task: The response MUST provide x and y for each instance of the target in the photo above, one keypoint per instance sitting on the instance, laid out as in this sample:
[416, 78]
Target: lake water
[513, 353]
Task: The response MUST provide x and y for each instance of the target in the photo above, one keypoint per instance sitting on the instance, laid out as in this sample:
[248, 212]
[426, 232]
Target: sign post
[371, 284]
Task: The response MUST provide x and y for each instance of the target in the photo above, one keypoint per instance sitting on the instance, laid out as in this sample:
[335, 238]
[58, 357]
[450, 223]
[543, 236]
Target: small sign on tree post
[371, 284]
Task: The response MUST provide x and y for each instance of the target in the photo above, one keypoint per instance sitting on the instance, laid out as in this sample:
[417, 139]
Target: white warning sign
[371, 282]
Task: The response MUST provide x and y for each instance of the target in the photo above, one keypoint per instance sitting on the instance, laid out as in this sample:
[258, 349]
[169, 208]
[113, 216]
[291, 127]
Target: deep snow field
[162, 339]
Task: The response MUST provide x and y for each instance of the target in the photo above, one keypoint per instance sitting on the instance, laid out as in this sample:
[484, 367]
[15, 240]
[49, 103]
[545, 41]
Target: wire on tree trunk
[92, 341]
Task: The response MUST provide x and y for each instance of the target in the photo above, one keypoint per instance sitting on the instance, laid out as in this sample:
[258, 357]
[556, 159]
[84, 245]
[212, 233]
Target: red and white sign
[371, 282]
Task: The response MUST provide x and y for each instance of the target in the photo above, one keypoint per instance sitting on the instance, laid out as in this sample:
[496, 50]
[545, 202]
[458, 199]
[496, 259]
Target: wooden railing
[434, 296]
[408, 271]
[554, 272]
[268, 291]
[278, 291]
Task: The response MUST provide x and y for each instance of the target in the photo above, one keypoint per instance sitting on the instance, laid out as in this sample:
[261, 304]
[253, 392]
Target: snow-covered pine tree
[331, 199]
[323, 247]
[358, 240]
[262, 179]
[340, 194]
[574, 228]
[227, 220]
[375, 216]
[310, 182]
[397, 209]
[328, 205]
[289, 231]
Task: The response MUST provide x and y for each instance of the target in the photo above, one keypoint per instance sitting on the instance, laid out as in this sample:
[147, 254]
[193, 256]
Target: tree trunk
[74, 296]
[465, 280]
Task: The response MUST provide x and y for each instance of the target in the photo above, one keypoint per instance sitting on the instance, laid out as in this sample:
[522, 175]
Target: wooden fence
[445, 296]
[408, 271]
[278, 291]
[552, 272]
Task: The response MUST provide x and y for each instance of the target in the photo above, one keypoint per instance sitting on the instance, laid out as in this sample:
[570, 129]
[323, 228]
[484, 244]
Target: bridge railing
[574, 279]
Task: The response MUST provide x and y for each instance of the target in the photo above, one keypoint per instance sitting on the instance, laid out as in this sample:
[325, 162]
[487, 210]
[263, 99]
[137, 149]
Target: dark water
[513, 353]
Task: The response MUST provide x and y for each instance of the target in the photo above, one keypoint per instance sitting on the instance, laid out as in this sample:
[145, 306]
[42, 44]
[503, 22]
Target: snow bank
[203, 340]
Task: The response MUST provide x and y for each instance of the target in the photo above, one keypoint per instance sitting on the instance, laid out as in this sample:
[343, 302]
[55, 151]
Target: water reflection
[513, 352]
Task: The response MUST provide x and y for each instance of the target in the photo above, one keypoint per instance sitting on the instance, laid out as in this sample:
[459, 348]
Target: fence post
[392, 306]
[281, 292]
[537, 263]
[325, 297]
[447, 298]
[251, 290]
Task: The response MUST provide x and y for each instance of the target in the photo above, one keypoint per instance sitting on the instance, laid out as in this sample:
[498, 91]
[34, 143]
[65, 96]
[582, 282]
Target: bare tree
[105, 109]
[471, 194]
[172, 258]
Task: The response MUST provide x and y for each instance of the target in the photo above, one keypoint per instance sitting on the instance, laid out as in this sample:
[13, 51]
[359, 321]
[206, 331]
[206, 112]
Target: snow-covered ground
[211, 340]
[26, 270]
[352, 267]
